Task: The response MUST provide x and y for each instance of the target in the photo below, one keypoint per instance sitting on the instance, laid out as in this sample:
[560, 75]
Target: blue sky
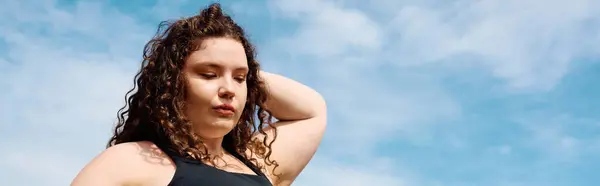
[420, 93]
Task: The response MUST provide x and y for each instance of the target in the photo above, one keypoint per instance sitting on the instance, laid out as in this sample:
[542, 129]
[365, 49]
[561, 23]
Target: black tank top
[191, 172]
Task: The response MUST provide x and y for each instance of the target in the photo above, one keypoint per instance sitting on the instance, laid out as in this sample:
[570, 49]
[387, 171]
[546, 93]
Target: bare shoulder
[133, 163]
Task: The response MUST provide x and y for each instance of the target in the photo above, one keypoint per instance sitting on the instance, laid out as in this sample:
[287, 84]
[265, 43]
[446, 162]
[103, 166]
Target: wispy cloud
[66, 71]
[395, 67]
[531, 45]
[353, 174]
[420, 92]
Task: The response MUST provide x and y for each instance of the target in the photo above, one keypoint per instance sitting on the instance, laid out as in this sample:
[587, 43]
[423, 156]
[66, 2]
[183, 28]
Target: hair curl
[154, 111]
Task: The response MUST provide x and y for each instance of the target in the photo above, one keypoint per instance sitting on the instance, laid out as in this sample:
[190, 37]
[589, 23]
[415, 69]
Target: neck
[213, 146]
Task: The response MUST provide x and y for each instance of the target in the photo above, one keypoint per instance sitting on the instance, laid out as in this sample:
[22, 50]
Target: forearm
[291, 100]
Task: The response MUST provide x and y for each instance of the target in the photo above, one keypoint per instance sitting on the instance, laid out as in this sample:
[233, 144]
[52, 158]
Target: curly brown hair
[154, 106]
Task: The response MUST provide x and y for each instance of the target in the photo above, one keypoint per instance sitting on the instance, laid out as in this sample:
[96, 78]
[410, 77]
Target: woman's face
[216, 93]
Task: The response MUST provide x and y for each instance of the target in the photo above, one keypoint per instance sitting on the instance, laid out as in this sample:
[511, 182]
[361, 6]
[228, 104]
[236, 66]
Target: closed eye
[208, 75]
[240, 79]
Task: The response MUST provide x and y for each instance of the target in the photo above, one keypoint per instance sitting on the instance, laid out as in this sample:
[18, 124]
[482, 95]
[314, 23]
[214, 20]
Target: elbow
[320, 106]
[311, 106]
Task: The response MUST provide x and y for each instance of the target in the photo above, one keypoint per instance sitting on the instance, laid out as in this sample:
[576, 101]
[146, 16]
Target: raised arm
[301, 112]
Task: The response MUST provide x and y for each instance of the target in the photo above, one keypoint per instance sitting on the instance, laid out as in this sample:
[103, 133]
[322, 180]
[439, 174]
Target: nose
[226, 90]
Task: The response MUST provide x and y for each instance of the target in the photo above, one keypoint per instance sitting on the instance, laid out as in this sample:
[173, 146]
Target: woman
[201, 114]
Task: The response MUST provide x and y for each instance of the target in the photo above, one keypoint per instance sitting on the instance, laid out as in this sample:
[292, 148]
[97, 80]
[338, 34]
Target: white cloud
[61, 108]
[346, 42]
[66, 75]
[330, 172]
[530, 44]
[373, 110]
[370, 106]
[560, 138]
[327, 29]
[40, 166]
[168, 8]
[63, 91]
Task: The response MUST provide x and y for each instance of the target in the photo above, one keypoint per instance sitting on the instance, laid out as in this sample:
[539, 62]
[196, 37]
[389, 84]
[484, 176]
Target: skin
[215, 75]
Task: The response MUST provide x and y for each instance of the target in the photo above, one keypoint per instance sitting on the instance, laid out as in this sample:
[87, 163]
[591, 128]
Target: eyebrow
[218, 66]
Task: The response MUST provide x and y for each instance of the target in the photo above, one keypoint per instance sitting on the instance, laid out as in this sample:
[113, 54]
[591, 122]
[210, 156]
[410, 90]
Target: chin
[216, 129]
[225, 125]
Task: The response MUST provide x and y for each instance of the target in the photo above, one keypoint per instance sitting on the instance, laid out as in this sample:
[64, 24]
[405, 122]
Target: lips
[224, 110]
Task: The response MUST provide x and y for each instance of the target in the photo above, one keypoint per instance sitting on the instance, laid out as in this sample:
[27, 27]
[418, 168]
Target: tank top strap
[176, 158]
[249, 164]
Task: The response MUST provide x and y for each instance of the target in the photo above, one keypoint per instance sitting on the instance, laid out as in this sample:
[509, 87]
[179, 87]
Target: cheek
[242, 94]
[200, 91]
